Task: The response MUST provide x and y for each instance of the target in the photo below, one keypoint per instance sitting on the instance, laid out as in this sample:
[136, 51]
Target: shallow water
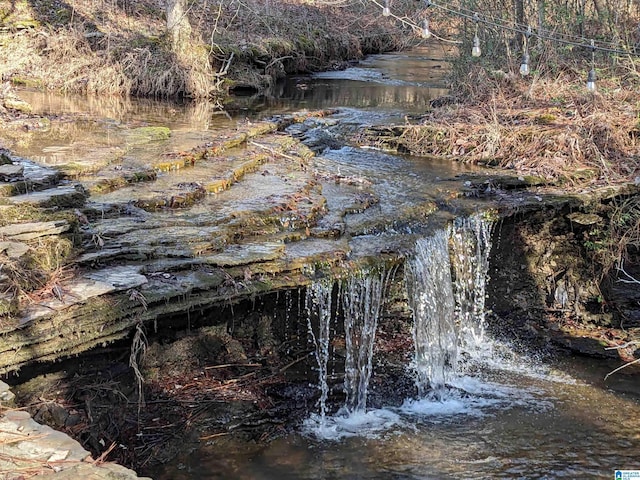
[533, 424]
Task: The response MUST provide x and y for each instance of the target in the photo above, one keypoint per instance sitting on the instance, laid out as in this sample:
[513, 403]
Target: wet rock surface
[250, 211]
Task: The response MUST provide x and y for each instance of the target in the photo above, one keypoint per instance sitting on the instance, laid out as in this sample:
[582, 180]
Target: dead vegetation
[551, 128]
[116, 48]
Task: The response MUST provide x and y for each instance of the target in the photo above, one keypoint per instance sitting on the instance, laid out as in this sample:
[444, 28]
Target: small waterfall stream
[470, 247]
[319, 306]
[446, 285]
[362, 298]
[445, 281]
[431, 299]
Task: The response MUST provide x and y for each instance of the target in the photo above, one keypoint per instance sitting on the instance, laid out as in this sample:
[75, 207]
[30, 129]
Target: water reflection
[582, 432]
[123, 110]
[404, 82]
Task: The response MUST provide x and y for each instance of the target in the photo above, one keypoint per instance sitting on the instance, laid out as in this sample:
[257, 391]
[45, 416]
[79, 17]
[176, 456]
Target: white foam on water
[344, 424]
[499, 356]
[472, 396]
[460, 371]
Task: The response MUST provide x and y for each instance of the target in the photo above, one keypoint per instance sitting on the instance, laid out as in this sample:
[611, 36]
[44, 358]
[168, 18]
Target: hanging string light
[426, 33]
[524, 64]
[591, 76]
[611, 47]
[386, 11]
[475, 49]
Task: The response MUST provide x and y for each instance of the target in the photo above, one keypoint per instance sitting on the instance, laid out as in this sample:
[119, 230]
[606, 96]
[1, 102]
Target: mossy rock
[142, 135]
[5, 159]
[26, 82]
[25, 24]
[8, 307]
[17, 104]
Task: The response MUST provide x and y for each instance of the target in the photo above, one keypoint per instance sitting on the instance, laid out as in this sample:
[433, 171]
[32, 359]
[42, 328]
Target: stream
[481, 407]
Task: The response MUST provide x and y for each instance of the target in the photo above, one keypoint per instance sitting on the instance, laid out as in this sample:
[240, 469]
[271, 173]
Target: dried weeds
[551, 129]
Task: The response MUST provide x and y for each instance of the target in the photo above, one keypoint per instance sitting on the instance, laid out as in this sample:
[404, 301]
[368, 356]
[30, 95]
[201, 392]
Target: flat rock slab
[93, 284]
[10, 172]
[88, 471]
[64, 196]
[27, 444]
[13, 250]
[29, 231]
[43, 452]
[236, 255]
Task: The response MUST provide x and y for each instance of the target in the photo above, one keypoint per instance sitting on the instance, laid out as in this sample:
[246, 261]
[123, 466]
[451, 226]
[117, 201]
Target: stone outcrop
[30, 449]
[226, 221]
[246, 214]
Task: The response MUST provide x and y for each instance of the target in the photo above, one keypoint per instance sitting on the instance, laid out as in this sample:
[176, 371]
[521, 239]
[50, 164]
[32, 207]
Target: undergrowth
[122, 48]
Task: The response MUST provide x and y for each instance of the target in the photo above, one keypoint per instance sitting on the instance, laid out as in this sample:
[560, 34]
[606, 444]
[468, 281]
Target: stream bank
[206, 251]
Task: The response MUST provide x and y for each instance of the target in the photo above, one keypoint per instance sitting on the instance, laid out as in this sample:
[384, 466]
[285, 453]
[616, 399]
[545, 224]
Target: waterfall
[446, 284]
[470, 247]
[431, 299]
[318, 306]
[362, 298]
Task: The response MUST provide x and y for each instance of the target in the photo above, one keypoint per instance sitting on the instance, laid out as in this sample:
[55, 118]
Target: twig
[138, 349]
[215, 435]
[275, 152]
[637, 360]
[624, 345]
[102, 458]
[296, 361]
[233, 365]
[224, 68]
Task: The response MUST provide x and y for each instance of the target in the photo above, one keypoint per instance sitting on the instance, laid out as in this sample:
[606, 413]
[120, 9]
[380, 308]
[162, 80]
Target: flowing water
[479, 409]
[362, 298]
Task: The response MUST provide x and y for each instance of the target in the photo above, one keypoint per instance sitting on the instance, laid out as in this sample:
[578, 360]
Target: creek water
[480, 410]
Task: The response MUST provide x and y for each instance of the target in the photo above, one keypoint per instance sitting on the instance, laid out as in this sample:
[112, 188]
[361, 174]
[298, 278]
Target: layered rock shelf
[239, 216]
[116, 243]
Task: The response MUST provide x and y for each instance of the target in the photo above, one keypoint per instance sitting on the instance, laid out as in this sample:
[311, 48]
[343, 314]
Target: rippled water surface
[533, 424]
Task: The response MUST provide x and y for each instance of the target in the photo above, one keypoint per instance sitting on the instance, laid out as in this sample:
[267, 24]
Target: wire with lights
[526, 31]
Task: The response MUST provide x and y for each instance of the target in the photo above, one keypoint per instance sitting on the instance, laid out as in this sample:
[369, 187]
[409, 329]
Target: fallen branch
[275, 152]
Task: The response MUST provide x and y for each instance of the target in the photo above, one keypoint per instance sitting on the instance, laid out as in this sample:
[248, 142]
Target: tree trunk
[178, 25]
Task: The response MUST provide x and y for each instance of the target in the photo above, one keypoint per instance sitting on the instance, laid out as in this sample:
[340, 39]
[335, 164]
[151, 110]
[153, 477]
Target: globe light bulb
[591, 80]
[475, 50]
[426, 33]
[386, 11]
[524, 65]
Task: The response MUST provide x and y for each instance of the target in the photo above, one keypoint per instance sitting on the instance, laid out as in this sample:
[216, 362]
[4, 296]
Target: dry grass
[552, 128]
[38, 274]
[110, 47]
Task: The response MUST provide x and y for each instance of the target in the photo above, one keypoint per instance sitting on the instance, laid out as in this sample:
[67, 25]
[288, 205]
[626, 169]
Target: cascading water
[430, 293]
[470, 246]
[446, 286]
[318, 304]
[362, 296]
[361, 299]
[446, 283]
